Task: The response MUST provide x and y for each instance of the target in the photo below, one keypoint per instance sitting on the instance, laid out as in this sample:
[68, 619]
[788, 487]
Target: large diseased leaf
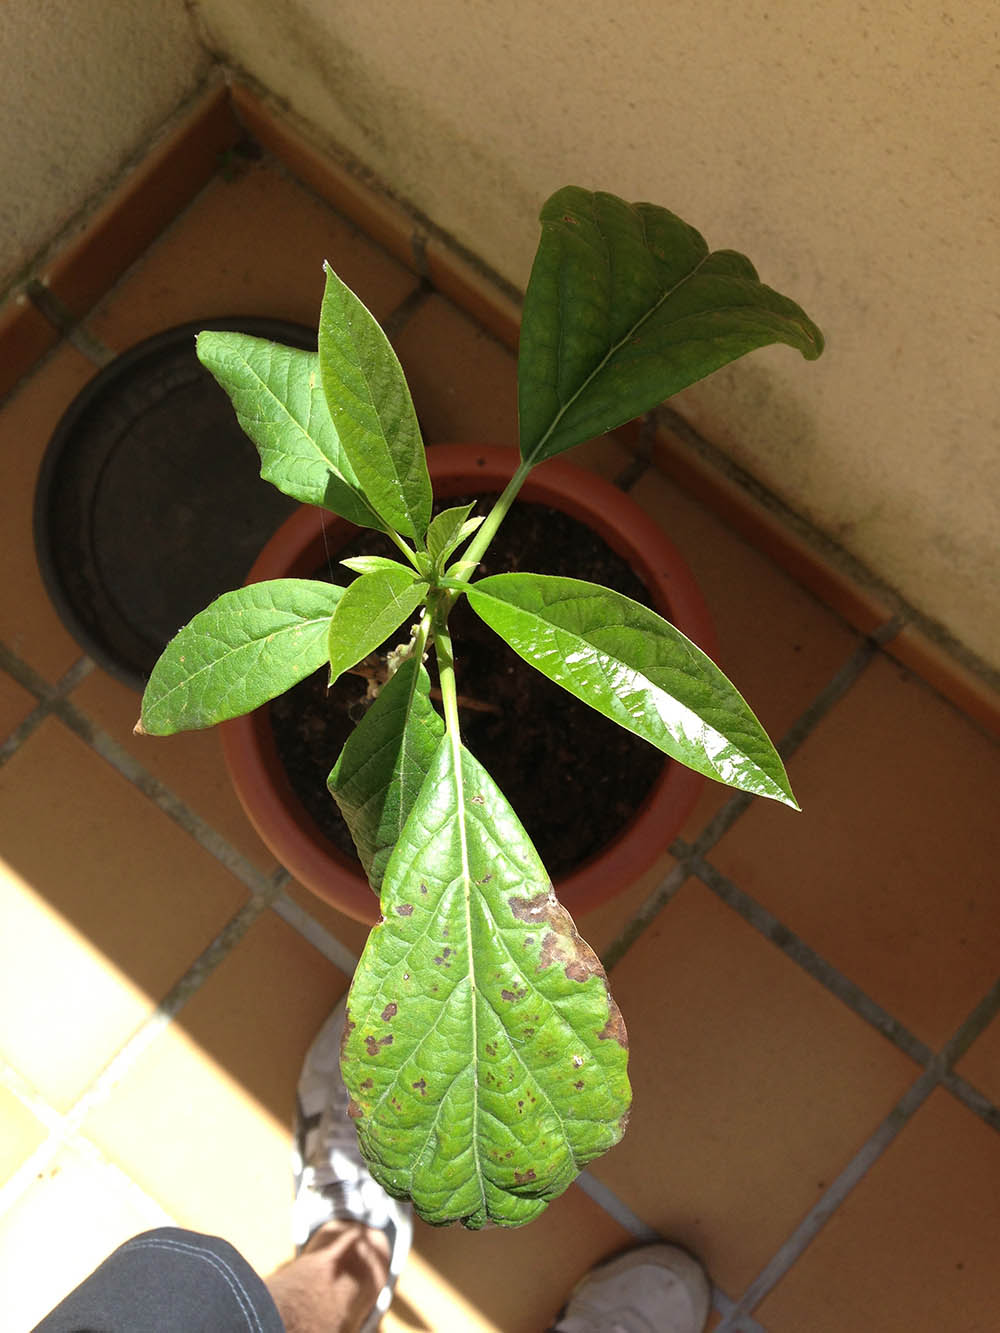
[371, 408]
[381, 768]
[372, 607]
[626, 306]
[279, 402]
[246, 648]
[485, 1058]
[637, 669]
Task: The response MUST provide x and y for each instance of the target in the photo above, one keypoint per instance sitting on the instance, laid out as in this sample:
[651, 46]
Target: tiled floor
[811, 1001]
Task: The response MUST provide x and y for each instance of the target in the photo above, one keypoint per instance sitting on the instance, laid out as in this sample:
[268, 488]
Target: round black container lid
[149, 500]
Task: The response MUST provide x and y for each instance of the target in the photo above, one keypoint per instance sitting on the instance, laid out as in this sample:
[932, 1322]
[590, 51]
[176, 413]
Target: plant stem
[487, 530]
[446, 668]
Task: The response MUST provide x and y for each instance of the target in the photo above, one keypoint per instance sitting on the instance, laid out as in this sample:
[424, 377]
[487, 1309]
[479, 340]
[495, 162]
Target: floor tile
[217, 1153]
[890, 871]
[190, 764]
[253, 245]
[914, 1246]
[463, 382]
[352, 934]
[981, 1064]
[115, 900]
[28, 623]
[20, 1133]
[15, 705]
[753, 1087]
[503, 1280]
[25, 336]
[66, 1224]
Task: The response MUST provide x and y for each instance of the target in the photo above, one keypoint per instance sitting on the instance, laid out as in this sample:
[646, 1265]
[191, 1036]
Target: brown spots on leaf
[354, 1110]
[405, 909]
[477, 799]
[614, 1028]
[368, 1084]
[511, 996]
[423, 888]
[443, 956]
[491, 1050]
[528, 1032]
[579, 1085]
[390, 1011]
[373, 1045]
[577, 1061]
[525, 1177]
[561, 943]
[421, 1086]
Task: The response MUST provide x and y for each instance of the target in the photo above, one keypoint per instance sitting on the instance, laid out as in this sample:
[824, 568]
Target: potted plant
[276, 753]
[485, 1057]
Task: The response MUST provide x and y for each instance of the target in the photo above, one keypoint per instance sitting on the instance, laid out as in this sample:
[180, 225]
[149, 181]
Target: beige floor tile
[15, 705]
[890, 871]
[28, 622]
[254, 245]
[116, 900]
[20, 1133]
[752, 1085]
[914, 1246]
[463, 382]
[202, 1121]
[190, 764]
[66, 1224]
[502, 1281]
[981, 1064]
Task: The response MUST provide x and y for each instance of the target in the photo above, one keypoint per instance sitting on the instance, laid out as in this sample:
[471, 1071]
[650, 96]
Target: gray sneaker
[332, 1181]
[651, 1289]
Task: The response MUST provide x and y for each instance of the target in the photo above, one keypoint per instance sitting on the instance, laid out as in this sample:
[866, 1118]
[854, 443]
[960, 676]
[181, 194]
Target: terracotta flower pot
[302, 545]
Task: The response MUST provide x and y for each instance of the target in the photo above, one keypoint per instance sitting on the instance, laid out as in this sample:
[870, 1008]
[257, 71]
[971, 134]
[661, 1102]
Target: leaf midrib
[616, 347]
[250, 643]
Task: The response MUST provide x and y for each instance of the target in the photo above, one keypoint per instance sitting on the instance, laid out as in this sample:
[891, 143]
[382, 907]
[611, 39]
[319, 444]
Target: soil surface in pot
[573, 777]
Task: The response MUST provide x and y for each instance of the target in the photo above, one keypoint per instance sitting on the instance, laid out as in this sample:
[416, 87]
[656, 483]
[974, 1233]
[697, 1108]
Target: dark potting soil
[573, 777]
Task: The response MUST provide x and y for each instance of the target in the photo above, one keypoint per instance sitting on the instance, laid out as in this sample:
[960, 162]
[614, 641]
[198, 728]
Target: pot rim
[304, 540]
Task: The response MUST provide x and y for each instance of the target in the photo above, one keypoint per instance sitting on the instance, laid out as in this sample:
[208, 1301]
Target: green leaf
[637, 669]
[626, 306]
[448, 530]
[279, 402]
[371, 608]
[372, 411]
[381, 768]
[485, 1058]
[247, 647]
[368, 564]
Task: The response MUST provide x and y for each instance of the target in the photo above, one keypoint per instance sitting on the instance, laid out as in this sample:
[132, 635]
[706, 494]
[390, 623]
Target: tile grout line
[67, 325]
[821, 1212]
[71, 1122]
[811, 962]
[317, 935]
[720, 824]
[47, 695]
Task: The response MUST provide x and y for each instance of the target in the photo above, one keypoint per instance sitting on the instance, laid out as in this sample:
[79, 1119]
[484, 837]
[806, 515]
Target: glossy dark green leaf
[381, 768]
[279, 402]
[485, 1058]
[246, 648]
[369, 402]
[637, 669]
[371, 608]
[626, 306]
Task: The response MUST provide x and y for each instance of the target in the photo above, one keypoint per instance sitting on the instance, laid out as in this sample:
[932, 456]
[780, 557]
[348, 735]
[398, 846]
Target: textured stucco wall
[83, 83]
[851, 151]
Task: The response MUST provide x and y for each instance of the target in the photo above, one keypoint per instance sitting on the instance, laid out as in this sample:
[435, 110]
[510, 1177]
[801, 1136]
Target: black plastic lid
[149, 501]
